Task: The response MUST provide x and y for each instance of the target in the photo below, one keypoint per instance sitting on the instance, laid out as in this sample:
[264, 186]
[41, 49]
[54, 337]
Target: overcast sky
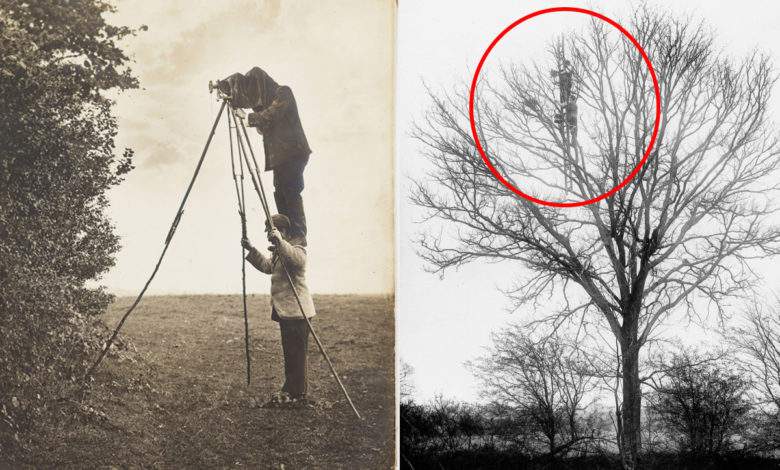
[338, 59]
[441, 323]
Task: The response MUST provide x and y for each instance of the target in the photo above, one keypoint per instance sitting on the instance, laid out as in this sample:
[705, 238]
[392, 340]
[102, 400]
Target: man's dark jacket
[275, 115]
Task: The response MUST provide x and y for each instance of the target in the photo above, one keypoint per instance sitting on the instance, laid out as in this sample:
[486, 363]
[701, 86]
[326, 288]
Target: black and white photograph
[197, 234]
[588, 235]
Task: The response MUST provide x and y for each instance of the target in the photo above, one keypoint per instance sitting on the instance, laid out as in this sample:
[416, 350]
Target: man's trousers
[288, 184]
[295, 345]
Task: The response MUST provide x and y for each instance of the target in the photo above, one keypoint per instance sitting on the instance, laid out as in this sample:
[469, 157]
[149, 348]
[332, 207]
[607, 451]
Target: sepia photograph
[197, 234]
[589, 230]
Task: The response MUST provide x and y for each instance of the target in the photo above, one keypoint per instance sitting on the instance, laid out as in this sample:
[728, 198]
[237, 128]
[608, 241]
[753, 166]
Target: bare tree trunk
[551, 441]
[632, 393]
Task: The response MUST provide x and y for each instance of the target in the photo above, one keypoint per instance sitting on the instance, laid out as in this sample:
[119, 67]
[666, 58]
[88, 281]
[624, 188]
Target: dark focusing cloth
[275, 116]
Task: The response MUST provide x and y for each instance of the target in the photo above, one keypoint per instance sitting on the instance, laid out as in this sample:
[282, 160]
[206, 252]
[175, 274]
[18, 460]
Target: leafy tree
[60, 61]
[682, 233]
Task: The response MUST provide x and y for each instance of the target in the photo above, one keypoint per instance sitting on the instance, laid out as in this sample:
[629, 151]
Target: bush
[57, 161]
[701, 406]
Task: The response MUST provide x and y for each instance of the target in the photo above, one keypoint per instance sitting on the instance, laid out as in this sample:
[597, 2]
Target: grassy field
[178, 397]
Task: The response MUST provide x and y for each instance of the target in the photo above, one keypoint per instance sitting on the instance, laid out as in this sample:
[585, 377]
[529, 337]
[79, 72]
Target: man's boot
[297, 217]
[281, 203]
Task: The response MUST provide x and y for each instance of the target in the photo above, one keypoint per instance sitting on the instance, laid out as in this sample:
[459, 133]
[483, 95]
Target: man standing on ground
[284, 306]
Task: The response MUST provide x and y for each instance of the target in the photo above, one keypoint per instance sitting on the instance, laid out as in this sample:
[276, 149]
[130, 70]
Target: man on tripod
[284, 305]
[287, 151]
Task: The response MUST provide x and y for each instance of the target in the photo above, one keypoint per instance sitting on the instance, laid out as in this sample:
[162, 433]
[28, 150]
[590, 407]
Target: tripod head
[219, 85]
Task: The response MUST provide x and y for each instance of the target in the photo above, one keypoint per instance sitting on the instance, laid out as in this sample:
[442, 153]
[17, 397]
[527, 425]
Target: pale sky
[338, 59]
[441, 323]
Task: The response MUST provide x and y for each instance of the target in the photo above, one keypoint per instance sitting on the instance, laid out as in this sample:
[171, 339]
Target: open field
[179, 398]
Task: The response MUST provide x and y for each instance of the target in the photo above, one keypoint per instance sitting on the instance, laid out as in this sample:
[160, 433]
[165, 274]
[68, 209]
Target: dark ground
[491, 459]
[178, 397]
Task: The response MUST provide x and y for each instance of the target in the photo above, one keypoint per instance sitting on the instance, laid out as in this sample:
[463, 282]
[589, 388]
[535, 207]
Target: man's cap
[281, 222]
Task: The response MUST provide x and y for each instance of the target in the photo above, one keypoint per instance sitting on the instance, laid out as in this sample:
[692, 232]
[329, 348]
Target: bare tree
[759, 343]
[406, 381]
[700, 404]
[542, 381]
[682, 232]
[759, 340]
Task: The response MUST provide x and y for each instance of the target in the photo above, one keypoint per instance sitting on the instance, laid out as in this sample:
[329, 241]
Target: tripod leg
[242, 213]
[246, 319]
[165, 247]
